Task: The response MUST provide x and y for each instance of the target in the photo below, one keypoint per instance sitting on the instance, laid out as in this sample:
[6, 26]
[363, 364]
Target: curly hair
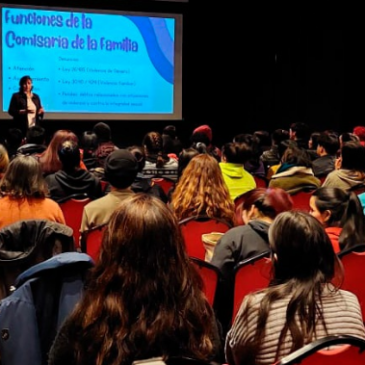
[201, 190]
[143, 298]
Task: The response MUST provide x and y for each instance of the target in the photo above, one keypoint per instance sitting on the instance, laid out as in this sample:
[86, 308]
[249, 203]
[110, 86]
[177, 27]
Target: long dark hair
[144, 298]
[303, 260]
[346, 212]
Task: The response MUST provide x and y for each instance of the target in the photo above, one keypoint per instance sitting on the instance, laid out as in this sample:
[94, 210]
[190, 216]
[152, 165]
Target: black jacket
[146, 185]
[240, 243]
[18, 102]
[28, 242]
[62, 184]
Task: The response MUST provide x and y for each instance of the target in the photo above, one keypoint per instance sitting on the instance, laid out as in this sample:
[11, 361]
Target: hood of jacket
[22, 239]
[77, 181]
[352, 177]
[232, 170]
[261, 228]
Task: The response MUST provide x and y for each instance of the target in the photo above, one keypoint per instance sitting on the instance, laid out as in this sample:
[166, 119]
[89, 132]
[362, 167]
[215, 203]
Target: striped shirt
[341, 311]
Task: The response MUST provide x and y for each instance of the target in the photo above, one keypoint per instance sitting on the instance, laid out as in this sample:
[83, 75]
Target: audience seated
[184, 158]
[359, 131]
[49, 159]
[300, 133]
[350, 167]
[143, 184]
[4, 160]
[34, 141]
[24, 192]
[88, 146]
[71, 179]
[143, 298]
[327, 147]
[121, 169]
[295, 172]
[301, 304]
[201, 190]
[253, 164]
[237, 179]
[105, 144]
[204, 134]
[157, 164]
[271, 156]
[260, 207]
[341, 214]
[171, 144]
[13, 140]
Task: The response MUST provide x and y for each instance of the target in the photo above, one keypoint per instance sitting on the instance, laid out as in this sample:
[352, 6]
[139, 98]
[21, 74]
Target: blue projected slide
[84, 62]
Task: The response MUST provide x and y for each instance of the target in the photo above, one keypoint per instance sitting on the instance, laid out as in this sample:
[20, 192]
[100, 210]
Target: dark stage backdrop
[249, 70]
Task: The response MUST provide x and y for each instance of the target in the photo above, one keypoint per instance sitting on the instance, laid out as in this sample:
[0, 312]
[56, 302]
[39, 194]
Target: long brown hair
[304, 261]
[201, 190]
[24, 179]
[49, 158]
[144, 298]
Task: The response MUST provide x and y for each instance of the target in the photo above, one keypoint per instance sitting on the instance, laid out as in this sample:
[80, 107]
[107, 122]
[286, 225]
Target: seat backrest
[331, 350]
[249, 276]
[353, 261]
[194, 227]
[91, 241]
[72, 208]
[260, 181]
[210, 275]
[165, 183]
[301, 199]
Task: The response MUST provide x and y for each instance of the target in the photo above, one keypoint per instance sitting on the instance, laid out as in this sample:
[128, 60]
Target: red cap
[360, 132]
[206, 130]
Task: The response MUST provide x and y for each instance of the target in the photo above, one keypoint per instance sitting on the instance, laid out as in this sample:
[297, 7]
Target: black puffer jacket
[28, 242]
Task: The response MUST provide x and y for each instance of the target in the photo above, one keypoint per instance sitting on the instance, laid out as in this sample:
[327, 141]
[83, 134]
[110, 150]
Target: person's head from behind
[143, 276]
[236, 152]
[103, 132]
[296, 156]
[69, 155]
[203, 134]
[278, 136]
[89, 143]
[185, 157]
[36, 135]
[152, 142]
[313, 141]
[299, 130]
[353, 156]
[348, 137]
[4, 160]
[24, 179]
[25, 84]
[360, 132]
[334, 207]
[139, 154]
[327, 144]
[265, 204]
[302, 250]
[49, 158]
[201, 190]
[121, 169]
[14, 138]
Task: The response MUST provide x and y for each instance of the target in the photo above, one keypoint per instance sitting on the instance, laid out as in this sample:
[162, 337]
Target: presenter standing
[25, 106]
